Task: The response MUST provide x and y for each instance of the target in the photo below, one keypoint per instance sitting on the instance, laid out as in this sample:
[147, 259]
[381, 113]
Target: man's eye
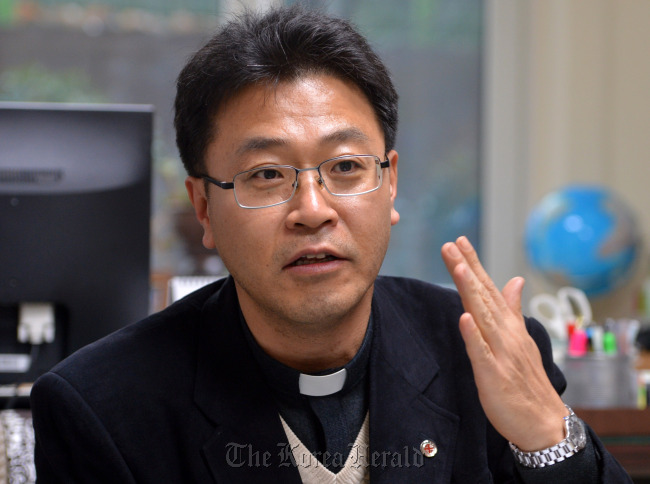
[345, 166]
[267, 174]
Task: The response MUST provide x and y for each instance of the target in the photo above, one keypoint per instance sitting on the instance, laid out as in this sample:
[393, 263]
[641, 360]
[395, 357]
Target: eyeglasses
[267, 186]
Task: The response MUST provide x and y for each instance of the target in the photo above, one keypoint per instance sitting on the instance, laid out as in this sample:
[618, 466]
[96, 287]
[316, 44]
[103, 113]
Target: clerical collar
[322, 385]
[291, 382]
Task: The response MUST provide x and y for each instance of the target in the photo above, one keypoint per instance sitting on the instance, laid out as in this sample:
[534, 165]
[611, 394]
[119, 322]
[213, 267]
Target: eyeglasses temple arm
[220, 184]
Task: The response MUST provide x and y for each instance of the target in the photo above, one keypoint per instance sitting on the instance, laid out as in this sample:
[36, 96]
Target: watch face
[576, 432]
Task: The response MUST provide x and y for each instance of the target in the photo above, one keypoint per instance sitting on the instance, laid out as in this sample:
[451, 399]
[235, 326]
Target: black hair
[281, 44]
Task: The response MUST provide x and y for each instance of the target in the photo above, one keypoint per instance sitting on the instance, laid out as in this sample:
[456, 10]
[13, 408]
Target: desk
[626, 434]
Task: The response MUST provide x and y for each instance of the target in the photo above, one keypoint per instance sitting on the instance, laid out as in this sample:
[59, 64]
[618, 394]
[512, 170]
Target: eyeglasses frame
[231, 185]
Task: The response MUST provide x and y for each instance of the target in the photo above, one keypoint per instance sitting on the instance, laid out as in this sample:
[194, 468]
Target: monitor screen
[75, 189]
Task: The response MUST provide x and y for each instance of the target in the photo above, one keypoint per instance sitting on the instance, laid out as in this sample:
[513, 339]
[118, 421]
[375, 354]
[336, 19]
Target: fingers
[457, 255]
[479, 294]
[512, 293]
[462, 252]
[471, 257]
[495, 314]
[477, 349]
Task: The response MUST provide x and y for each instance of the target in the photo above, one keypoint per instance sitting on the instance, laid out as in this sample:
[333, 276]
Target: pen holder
[599, 380]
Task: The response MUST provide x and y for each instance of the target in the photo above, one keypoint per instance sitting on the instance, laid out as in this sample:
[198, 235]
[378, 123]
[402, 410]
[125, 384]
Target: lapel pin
[428, 448]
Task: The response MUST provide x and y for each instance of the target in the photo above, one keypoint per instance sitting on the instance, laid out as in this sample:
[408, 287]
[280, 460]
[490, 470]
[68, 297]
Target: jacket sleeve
[594, 464]
[72, 445]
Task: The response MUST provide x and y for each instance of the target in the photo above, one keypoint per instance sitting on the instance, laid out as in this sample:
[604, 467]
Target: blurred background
[566, 102]
[130, 52]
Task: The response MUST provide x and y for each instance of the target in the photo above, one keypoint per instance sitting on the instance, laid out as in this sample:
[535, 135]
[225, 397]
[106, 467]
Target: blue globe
[583, 236]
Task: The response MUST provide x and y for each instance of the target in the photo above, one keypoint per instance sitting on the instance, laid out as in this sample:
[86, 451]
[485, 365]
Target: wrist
[573, 442]
[545, 433]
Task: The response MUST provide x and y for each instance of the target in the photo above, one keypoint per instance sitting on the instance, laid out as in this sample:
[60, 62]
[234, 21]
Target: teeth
[311, 259]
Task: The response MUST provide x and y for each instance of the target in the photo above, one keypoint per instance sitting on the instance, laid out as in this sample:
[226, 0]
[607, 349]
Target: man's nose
[311, 205]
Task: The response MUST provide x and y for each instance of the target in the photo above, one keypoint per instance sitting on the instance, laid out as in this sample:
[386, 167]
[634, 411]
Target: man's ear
[392, 170]
[196, 191]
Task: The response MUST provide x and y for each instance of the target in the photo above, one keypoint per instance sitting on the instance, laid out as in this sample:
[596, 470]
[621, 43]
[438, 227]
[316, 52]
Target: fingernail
[463, 242]
[453, 251]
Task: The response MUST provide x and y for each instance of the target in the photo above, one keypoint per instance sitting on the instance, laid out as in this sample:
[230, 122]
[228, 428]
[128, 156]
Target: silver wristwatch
[574, 441]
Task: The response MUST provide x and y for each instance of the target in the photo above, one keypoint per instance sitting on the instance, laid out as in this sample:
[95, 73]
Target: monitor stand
[32, 340]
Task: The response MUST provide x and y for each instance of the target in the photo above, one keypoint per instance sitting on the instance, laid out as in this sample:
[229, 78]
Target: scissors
[555, 312]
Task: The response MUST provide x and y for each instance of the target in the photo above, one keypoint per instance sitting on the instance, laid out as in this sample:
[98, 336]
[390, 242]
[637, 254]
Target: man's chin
[328, 310]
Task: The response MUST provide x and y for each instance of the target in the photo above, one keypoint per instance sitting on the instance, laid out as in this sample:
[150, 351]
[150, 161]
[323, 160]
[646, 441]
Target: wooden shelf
[626, 434]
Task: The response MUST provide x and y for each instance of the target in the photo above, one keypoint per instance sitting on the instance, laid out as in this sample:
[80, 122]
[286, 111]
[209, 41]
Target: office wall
[567, 99]
[590, 97]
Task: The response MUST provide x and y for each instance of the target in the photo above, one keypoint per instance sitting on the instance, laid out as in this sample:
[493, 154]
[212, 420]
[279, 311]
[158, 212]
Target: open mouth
[314, 259]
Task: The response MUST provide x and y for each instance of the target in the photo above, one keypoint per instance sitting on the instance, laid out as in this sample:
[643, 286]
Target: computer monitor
[75, 190]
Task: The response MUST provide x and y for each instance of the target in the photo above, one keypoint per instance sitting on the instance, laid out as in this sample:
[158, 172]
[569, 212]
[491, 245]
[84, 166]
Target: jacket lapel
[402, 415]
[248, 443]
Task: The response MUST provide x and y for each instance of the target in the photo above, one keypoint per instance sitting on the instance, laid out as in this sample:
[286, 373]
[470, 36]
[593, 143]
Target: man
[304, 365]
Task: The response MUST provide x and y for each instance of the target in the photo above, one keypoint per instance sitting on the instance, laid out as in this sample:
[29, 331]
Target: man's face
[313, 260]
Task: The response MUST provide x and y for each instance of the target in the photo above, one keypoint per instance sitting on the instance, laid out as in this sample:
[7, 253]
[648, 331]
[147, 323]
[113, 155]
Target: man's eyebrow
[261, 143]
[346, 134]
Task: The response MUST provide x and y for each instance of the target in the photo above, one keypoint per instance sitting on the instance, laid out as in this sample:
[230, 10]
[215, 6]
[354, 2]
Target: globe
[583, 236]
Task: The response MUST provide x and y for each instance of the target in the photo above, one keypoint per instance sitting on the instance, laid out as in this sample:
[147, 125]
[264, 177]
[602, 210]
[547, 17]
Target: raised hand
[513, 387]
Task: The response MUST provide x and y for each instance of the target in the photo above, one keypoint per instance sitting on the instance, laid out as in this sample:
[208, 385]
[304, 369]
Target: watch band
[575, 440]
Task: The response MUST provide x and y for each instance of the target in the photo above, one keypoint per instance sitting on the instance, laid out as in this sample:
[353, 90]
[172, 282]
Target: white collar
[322, 385]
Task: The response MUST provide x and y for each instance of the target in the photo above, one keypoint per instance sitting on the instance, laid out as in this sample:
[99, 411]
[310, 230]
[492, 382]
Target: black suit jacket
[179, 398]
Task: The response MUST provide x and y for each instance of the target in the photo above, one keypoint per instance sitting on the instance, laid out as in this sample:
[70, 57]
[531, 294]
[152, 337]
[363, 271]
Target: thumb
[512, 293]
